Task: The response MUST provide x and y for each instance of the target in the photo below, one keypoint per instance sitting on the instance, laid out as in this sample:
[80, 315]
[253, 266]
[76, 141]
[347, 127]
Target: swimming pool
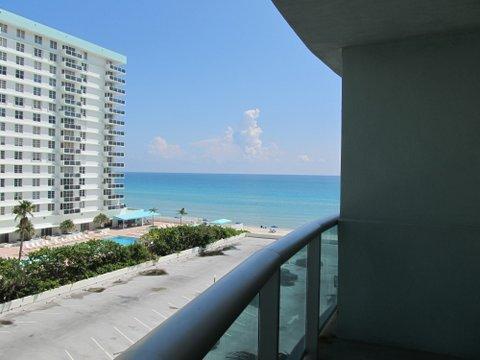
[123, 240]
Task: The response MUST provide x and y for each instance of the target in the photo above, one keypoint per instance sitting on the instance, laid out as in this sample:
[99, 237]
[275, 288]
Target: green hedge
[162, 242]
[49, 268]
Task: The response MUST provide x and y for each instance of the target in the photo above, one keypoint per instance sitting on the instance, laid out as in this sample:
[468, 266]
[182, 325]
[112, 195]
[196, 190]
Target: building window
[18, 142]
[20, 60]
[51, 119]
[18, 128]
[51, 194]
[51, 169]
[19, 87]
[38, 40]
[37, 78]
[52, 82]
[51, 144]
[51, 157]
[20, 47]
[51, 132]
[37, 104]
[17, 155]
[2, 140]
[3, 70]
[36, 156]
[52, 107]
[36, 130]
[2, 114]
[52, 94]
[36, 117]
[37, 52]
[17, 182]
[36, 195]
[2, 126]
[3, 98]
[51, 182]
[17, 169]
[3, 56]
[19, 74]
[37, 91]
[37, 65]
[35, 143]
[20, 34]
[3, 28]
[18, 114]
[3, 84]
[53, 57]
[53, 69]
[3, 42]
[2, 196]
[53, 44]
[17, 196]
[19, 101]
[36, 182]
[36, 170]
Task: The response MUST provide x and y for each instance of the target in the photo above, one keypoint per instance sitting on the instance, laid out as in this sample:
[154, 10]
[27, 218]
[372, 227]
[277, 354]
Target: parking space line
[102, 348]
[69, 355]
[125, 336]
[156, 312]
[141, 322]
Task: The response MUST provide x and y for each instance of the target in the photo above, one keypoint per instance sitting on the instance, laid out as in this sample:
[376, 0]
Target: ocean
[286, 201]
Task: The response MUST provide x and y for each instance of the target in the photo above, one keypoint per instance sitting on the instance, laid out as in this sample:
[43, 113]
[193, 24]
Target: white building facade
[61, 126]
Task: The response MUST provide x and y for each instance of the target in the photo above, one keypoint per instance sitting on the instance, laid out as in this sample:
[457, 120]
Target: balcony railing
[275, 302]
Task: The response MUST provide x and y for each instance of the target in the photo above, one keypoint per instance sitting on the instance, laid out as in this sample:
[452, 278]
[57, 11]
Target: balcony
[72, 90]
[114, 100]
[116, 79]
[114, 164]
[114, 186]
[116, 111]
[114, 143]
[72, 54]
[116, 68]
[70, 77]
[115, 175]
[72, 114]
[276, 301]
[71, 138]
[71, 65]
[117, 90]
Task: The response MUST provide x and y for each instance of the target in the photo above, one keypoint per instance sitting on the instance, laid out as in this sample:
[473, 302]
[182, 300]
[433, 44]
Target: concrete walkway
[89, 325]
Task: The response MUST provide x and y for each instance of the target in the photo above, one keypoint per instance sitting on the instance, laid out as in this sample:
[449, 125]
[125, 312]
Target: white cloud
[304, 158]
[160, 147]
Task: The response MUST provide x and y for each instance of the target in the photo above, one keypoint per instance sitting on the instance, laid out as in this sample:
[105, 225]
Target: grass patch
[153, 272]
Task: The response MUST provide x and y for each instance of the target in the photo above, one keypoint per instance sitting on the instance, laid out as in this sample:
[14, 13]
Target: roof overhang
[327, 26]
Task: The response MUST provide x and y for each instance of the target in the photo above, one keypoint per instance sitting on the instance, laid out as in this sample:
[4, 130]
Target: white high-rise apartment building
[61, 126]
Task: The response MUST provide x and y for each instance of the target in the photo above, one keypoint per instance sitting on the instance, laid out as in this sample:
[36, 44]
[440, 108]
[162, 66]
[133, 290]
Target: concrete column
[410, 210]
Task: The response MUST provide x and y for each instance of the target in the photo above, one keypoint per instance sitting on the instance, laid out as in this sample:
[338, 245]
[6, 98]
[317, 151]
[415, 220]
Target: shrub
[48, 268]
[170, 240]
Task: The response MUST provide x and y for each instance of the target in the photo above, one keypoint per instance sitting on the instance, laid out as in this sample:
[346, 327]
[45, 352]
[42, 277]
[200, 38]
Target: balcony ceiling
[326, 26]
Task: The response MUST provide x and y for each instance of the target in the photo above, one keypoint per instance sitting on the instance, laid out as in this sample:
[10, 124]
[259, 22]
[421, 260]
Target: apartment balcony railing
[115, 111]
[114, 186]
[72, 138]
[275, 302]
[117, 154]
[71, 126]
[112, 99]
[117, 90]
[72, 54]
[71, 65]
[70, 151]
[116, 68]
[115, 175]
[72, 114]
[114, 143]
[70, 77]
[116, 79]
[115, 122]
[72, 90]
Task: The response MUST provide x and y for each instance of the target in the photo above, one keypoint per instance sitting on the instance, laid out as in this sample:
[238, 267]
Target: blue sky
[212, 86]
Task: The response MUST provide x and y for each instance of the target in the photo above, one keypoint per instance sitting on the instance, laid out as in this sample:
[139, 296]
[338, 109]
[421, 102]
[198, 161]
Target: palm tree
[100, 220]
[153, 211]
[22, 211]
[182, 212]
[67, 226]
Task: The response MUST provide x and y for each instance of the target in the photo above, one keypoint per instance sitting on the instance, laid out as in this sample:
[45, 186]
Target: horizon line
[220, 173]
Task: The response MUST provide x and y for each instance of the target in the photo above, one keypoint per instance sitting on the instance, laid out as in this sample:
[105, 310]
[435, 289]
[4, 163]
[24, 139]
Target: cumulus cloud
[304, 158]
[160, 147]
[242, 142]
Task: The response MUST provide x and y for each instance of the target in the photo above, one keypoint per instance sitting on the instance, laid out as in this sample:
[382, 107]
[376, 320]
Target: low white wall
[49, 295]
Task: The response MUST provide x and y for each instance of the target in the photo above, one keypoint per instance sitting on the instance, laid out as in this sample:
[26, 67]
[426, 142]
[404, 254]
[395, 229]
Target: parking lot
[100, 325]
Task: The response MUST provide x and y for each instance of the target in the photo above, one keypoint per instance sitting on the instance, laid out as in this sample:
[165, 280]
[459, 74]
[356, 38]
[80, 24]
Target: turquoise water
[123, 240]
[282, 200]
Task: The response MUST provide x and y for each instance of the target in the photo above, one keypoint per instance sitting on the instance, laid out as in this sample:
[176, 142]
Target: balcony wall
[410, 209]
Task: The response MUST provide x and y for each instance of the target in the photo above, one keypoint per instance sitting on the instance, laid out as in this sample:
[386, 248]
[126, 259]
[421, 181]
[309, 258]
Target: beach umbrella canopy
[221, 222]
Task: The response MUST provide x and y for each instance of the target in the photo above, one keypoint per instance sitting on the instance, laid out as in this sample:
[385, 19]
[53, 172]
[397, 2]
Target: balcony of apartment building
[395, 274]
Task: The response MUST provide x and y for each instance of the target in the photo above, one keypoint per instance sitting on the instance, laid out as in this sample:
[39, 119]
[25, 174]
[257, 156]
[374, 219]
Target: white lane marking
[156, 312]
[141, 322]
[125, 336]
[69, 355]
[187, 298]
[102, 348]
